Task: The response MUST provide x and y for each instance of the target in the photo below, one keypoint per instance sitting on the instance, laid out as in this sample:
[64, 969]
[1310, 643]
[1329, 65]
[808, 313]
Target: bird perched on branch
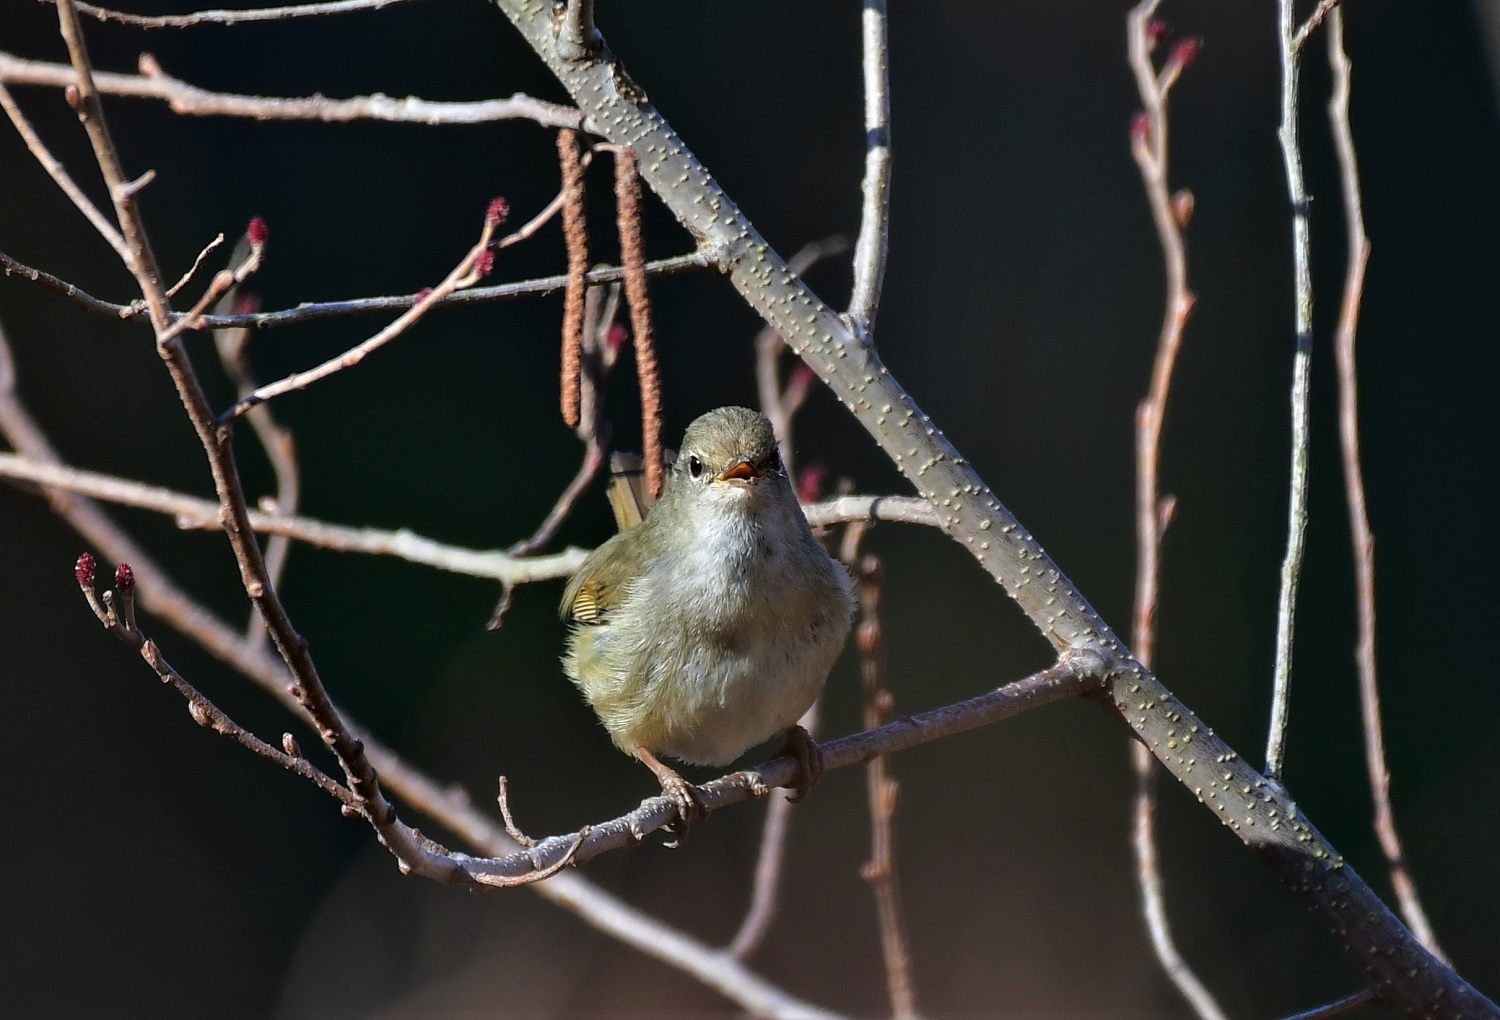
[710, 626]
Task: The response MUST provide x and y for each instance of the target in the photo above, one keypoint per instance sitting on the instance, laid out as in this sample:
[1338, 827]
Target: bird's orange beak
[744, 471]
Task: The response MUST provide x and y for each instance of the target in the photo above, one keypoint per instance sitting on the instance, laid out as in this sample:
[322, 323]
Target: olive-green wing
[627, 494]
[599, 586]
[628, 498]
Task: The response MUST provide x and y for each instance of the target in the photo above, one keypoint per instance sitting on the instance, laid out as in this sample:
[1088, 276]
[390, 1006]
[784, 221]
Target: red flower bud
[497, 213]
[257, 231]
[484, 263]
[1186, 51]
[125, 579]
[84, 570]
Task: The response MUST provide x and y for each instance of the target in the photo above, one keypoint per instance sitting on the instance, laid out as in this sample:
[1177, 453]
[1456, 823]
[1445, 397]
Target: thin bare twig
[470, 269]
[231, 16]
[575, 236]
[1072, 677]
[118, 617]
[875, 212]
[275, 438]
[1338, 1007]
[61, 177]
[84, 98]
[315, 311]
[643, 332]
[1291, 567]
[412, 850]
[63, 287]
[775, 403]
[1324, 8]
[192, 512]
[190, 100]
[1148, 144]
[880, 871]
[246, 263]
[192, 271]
[599, 349]
[593, 460]
[765, 885]
[1361, 536]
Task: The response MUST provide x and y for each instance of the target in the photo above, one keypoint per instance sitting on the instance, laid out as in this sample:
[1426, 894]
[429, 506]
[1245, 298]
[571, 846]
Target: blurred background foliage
[154, 868]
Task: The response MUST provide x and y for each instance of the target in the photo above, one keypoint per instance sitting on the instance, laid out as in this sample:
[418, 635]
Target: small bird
[710, 626]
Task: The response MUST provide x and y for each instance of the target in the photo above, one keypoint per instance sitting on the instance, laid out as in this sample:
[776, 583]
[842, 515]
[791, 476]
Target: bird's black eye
[774, 464]
[695, 466]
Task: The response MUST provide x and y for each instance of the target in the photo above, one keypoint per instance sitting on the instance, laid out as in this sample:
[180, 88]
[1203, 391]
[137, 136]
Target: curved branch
[1079, 675]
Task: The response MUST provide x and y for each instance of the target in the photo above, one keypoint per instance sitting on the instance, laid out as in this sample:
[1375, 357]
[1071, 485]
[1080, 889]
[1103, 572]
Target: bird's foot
[687, 797]
[800, 745]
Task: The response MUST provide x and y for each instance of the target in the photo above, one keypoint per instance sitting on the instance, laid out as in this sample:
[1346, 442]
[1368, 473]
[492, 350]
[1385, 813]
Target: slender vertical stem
[874, 227]
[1153, 512]
[138, 255]
[1354, 487]
[1291, 567]
[880, 870]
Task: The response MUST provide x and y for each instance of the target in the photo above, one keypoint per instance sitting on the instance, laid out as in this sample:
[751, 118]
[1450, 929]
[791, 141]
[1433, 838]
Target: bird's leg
[690, 806]
[800, 745]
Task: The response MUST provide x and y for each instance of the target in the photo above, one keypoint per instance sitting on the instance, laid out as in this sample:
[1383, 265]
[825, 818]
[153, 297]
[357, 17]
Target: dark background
[153, 868]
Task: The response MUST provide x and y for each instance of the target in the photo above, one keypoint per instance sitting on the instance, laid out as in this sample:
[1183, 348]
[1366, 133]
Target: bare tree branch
[1339, 1007]
[60, 175]
[314, 311]
[1148, 144]
[192, 271]
[473, 267]
[275, 438]
[192, 101]
[63, 287]
[412, 850]
[121, 622]
[875, 212]
[1291, 567]
[1070, 678]
[1322, 11]
[880, 870]
[1361, 536]
[232, 16]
